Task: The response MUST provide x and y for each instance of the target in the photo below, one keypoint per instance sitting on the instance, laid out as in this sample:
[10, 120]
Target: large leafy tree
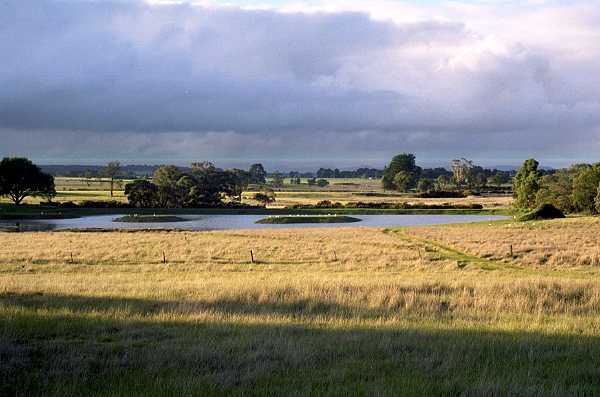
[403, 181]
[585, 188]
[258, 174]
[404, 163]
[526, 184]
[556, 189]
[142, 193]
[166, 178]
[20, 178]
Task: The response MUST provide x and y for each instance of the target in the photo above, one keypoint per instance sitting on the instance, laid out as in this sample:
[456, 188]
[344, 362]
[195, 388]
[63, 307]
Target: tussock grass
[327, 311]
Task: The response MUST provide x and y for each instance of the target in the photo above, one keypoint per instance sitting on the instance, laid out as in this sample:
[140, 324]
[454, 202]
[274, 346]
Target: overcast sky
[299, 84]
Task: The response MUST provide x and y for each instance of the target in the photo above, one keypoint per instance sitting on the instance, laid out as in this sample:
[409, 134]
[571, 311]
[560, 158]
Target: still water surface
[227, 222]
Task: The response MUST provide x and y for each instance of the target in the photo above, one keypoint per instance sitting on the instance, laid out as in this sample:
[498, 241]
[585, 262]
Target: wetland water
[229, 222]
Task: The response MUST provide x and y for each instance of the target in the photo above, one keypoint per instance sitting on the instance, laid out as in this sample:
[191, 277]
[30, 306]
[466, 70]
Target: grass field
[416, 311]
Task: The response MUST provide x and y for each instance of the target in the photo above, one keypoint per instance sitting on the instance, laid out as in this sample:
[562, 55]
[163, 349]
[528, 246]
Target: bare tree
[112, 171]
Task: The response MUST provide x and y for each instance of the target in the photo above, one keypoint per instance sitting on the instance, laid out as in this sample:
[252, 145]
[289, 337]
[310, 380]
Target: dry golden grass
[288, 198]
[570, 242]
[320, 311]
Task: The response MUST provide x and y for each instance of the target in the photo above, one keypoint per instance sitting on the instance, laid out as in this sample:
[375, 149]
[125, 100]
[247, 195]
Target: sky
[300, 84]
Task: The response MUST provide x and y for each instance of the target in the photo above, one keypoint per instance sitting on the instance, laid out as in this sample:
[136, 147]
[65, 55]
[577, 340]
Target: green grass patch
[284, 220]
[135, 218]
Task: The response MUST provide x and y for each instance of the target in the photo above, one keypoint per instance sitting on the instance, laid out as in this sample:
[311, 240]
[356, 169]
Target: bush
[544, 211]
[441, 194]
[265, 197]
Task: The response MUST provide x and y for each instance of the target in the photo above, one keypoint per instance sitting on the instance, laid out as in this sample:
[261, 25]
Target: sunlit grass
[327, 311]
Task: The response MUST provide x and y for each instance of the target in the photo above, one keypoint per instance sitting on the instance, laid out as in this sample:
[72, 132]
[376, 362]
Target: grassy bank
[418, 311]
[148, 218]
[286, 220]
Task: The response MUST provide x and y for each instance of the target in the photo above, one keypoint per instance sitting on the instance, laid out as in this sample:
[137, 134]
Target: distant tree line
[359, 173]
[574, 189]
[404, 175]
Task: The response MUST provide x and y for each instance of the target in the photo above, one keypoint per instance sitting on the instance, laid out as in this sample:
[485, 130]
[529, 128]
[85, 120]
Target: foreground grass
[352, 311]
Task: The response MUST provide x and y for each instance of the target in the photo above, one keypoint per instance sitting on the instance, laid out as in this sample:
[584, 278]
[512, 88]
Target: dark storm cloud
[173, 79]
[114, 67]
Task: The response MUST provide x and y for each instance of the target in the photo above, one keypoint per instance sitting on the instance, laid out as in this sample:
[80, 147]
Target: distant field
[340, 189]
[418, 311]
[287, 198]
[338, 184]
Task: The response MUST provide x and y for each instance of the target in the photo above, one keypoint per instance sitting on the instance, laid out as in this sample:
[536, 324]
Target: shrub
[544, 211]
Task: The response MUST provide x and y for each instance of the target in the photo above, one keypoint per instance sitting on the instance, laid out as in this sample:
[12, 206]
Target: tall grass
[328, 311]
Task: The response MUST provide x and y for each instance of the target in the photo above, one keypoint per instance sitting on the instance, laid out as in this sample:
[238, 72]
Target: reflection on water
[226, 222]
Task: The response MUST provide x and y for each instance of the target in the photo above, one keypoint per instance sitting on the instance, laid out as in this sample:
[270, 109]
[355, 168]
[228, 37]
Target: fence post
[511, 251]
[252, 256]
[164, 257]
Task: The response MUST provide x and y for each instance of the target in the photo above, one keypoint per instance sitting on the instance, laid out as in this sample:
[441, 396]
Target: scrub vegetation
[445, 310]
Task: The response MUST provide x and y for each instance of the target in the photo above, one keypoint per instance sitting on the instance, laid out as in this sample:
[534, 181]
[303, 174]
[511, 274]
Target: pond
[228, 222]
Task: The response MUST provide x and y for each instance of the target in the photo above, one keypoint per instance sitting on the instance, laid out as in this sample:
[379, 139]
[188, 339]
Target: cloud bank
[331, 80]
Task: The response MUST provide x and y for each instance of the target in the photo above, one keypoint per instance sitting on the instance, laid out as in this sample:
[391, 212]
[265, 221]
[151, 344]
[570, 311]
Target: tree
[461, 169]
[325, 173]
[142, 193]
[597, 200]
[403, 181]
[477, 180]
[112, 171]
[237, 181]
[20, 178]
[210, 183]
[166, 177]
[424, 185]
[526, 184]
[585, 188]
[258, 175]
[499, 178]
[204, 185]
[277, 180]
[556, 189]
[404, 162]
[311, 181]
[322, 182]
[441, 183]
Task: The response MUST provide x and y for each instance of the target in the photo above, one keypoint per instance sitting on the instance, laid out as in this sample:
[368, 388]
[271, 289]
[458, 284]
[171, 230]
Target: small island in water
[149, 219]
[284, 220]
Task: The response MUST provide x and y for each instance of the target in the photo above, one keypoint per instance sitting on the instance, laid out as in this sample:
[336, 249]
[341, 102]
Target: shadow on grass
[73, 345]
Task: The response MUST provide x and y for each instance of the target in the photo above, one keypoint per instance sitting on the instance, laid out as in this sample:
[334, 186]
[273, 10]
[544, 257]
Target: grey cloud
[113, 66]
[172, 80]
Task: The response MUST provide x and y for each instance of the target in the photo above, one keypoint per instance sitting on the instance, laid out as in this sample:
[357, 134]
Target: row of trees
[404, 175]
[203, 185]
[575, 189]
